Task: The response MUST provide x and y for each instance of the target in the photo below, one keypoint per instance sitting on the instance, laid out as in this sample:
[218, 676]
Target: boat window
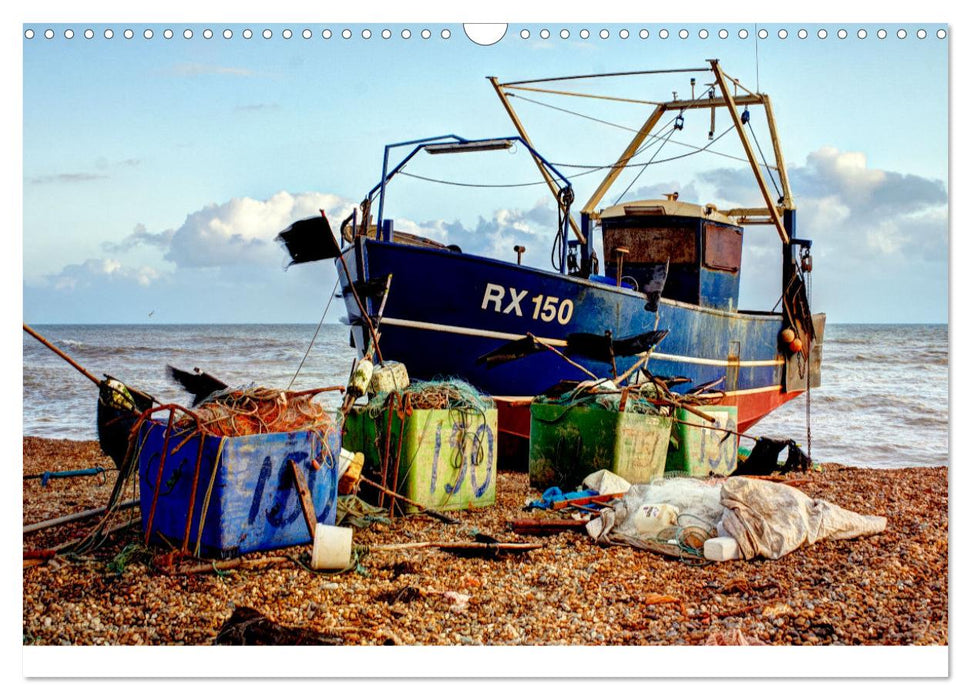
[723, 247]
[653, 244]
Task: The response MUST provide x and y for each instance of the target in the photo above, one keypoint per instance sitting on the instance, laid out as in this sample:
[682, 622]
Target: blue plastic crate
[253, 503]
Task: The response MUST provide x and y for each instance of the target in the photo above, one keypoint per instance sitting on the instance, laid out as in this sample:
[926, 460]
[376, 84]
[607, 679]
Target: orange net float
[787, 336]
[795, 345]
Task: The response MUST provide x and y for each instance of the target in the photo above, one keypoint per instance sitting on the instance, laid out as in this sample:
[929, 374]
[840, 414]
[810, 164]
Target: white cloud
[866, 222]
[847, 170]
[227, 249]
[853, 208]
[97, 271]
[238, 232]
[820, 213]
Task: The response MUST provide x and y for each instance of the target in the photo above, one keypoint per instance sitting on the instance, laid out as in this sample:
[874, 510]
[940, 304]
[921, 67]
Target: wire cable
[698, 149]
[644, 167]
[589, 169]
[312, 340]
[763, 163]
[624, 128]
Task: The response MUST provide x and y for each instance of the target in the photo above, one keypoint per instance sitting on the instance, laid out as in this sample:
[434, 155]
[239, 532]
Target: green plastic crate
[700, 452]
[566, 443]
[448, 458]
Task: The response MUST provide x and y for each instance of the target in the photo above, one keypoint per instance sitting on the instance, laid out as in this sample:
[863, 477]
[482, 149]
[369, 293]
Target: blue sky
[157, 171]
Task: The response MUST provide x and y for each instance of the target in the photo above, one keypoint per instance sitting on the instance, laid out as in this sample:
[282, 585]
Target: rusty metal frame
[770, 214]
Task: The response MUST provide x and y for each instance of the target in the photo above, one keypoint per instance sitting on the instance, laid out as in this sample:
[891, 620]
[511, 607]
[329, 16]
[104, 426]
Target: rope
[636, 177]
[642, 148]
[763, 163]
[627, 128]
[698, 149]
[589, 169]
[313, 340]
[470, 184]
[809, 380]
[575, 114]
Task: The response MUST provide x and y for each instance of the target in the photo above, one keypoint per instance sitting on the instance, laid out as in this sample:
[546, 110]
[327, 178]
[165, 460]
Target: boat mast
[751, 215]
[749, 153]
[539, 164]
[780, 162]
[617, 168]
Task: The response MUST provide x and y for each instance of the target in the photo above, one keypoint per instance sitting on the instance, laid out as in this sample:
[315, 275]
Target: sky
[157, 171]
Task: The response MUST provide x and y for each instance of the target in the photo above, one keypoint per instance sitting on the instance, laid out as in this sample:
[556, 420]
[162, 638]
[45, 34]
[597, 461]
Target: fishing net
[452, 394]
[258, 410]
[643, 398]
[699, 501]
[391, 411]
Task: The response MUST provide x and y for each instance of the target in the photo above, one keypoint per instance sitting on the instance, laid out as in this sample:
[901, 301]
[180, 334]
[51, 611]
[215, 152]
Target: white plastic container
[346, 459]
[721, 549]
[332, 547]
[388, 377]
[651, 518]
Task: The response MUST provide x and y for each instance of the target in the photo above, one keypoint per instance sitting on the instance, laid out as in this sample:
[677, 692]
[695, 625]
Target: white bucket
[344, 462]
[332, 547]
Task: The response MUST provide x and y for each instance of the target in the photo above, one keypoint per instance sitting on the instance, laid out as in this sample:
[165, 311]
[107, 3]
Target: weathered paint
[437, 301]
[702, 256]
[700, 448]
[253, 503]
[448, 458]
[567, 443]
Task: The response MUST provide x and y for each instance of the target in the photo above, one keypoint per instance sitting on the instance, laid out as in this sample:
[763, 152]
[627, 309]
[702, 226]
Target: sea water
[883, 400]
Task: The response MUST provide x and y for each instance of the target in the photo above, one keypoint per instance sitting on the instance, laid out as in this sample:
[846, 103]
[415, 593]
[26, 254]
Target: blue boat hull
[447, 309]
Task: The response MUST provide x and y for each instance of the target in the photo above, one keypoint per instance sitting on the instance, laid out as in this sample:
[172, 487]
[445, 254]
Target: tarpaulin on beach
[772, 519]
[768, 519]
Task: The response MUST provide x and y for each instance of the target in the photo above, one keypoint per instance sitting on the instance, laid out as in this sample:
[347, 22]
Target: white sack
[771, 519]
[651, 519]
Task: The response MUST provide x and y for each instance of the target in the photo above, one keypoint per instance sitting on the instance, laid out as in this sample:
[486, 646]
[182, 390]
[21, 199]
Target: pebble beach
[888, 589]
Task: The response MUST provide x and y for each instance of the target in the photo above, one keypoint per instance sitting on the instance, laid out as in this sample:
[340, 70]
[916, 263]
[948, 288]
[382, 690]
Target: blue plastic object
[252, 502]
[554, 495]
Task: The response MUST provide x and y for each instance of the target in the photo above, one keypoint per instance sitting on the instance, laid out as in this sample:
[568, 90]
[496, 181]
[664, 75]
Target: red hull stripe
[753, 406]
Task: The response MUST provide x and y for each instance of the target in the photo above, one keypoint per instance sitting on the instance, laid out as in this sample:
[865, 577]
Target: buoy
[788, 335]
[361, 377]
[796, 345]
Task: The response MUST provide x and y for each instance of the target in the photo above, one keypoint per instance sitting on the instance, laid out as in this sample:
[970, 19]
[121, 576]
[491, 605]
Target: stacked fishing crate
[434, 443]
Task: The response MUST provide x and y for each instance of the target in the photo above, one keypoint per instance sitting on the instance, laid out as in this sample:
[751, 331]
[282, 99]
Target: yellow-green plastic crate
[448, 457]
[701, 451]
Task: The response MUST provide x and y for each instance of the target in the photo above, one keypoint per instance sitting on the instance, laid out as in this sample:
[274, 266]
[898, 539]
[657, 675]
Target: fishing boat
[665, 302]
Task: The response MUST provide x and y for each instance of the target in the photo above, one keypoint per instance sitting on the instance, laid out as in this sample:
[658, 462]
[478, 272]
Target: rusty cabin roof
[667, 207]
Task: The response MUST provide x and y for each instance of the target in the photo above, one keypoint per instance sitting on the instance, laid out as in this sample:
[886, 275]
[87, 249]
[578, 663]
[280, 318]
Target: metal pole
[756, 169]
[63, 355]
[539, 164]
[83, 515]
[617, 168]
[779, 160]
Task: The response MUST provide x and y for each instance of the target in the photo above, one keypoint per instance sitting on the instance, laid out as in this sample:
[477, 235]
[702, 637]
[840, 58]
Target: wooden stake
[433, 513]
[306, 500]
[83, 515]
